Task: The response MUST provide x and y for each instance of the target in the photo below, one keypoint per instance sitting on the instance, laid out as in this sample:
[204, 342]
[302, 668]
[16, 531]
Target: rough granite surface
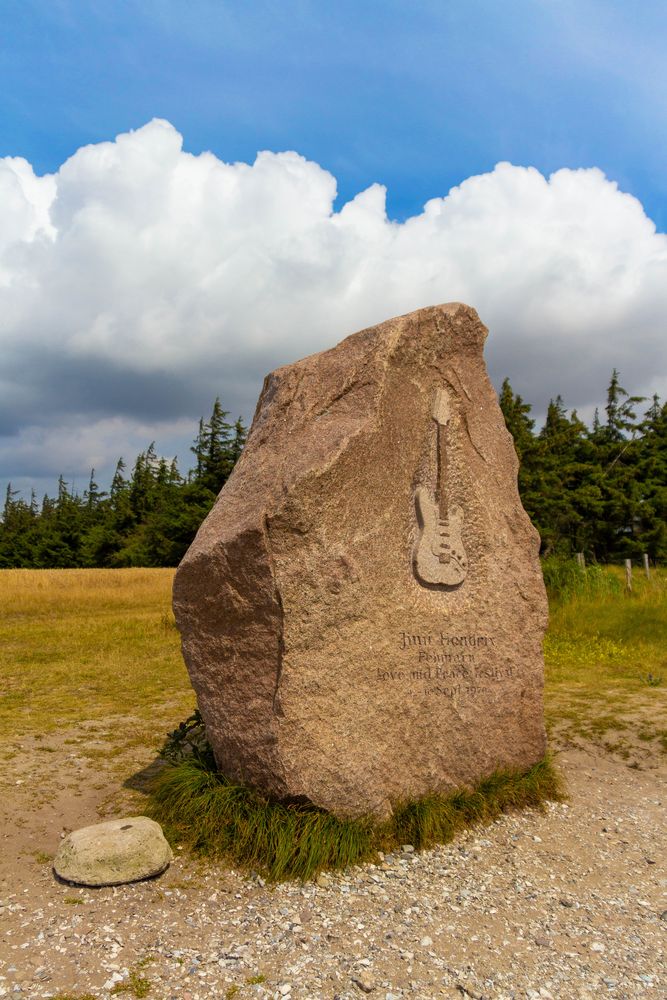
[362, 611]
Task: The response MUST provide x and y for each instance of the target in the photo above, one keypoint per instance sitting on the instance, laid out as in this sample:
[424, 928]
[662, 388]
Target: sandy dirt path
[568, 903]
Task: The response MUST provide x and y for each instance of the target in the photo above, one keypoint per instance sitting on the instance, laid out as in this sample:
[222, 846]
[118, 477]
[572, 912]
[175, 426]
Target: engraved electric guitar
[439, 556]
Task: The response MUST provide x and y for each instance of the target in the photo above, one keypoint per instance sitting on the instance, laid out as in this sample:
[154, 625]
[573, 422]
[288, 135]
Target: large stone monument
[362, 611]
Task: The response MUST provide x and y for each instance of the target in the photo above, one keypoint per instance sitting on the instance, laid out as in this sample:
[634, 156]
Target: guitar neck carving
[439, 558]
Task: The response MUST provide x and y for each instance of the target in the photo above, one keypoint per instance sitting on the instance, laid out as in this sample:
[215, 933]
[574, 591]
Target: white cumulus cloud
[140, 281]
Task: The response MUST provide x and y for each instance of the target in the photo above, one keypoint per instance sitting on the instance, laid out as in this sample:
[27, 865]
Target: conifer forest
[600, 490]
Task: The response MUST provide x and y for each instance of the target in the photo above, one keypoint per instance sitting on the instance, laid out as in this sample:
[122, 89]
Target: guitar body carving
[439, 557]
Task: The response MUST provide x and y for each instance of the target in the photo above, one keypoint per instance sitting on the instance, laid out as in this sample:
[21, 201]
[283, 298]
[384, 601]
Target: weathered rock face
[362, 611]
[113, 853]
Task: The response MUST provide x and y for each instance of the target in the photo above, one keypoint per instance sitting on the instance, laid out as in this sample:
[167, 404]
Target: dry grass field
[94, 646]
[606, 665]
[99, 647]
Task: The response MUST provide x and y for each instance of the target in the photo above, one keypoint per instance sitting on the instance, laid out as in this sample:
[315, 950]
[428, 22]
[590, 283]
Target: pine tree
[517, 420]
[620, 415]
[528, 448]
[238, 441]
[216, 449]
[618, 451]
[16, 531]
[566, 496]
[9, 503]
[651, 524]
[61, 525]
[118, 483]
[63, 495]
[218, 463]
[93, 495]
[596, 423]
[200, 449]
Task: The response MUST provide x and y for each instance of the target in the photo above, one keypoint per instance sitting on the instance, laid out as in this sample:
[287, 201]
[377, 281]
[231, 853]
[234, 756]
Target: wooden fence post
[581, 559]
[628, 574]
[646, 567]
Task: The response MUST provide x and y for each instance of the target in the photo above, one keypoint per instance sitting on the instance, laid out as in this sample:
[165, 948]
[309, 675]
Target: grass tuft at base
[209, 814]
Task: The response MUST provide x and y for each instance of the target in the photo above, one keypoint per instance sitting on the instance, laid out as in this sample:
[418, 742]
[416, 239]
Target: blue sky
[415, 95]
[117, 248]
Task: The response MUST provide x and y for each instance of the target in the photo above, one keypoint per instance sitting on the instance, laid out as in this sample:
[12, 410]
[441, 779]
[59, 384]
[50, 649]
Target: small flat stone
[113, 853]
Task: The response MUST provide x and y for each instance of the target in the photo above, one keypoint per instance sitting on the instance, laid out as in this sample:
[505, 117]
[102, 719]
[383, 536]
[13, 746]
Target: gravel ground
[568, 903]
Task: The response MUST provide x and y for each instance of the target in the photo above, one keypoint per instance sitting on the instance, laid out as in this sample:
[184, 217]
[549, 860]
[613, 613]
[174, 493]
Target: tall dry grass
[85, 645]
[606, 659]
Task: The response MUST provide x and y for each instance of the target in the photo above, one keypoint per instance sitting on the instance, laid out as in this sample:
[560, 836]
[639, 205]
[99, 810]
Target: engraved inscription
[439, 558]
[446, 664]
[407, 640]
